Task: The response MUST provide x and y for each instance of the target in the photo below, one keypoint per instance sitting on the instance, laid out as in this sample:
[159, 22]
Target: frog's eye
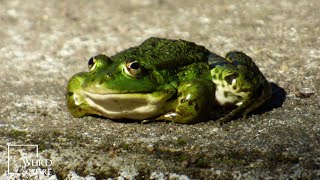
[132, 68]
[92, 64]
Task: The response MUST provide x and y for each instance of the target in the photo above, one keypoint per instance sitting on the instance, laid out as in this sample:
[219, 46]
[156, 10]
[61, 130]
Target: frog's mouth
[138, 106]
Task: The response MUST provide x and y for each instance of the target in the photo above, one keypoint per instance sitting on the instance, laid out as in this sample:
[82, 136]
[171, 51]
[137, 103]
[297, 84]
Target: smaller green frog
[238, 84]
[170, 80]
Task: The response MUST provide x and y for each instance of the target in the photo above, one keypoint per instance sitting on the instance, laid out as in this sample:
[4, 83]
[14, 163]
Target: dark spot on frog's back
[214, 76]
[196, 107]
[234, 87]
[183, 100]
[100, 82]
[225, 94]
[70, 94]
[231, 77]
[220, 76]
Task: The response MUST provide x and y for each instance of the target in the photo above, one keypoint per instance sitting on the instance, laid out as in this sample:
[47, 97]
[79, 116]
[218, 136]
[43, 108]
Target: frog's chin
[138, 106]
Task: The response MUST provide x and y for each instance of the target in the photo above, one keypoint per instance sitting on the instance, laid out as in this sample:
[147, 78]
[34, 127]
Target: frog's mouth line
[136, 106]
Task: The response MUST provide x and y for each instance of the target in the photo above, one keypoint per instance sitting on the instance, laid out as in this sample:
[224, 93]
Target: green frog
[168, 80]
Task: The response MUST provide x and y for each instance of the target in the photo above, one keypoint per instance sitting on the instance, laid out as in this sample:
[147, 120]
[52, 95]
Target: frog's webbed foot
[146, 121]
[170, 116]
[233, 115]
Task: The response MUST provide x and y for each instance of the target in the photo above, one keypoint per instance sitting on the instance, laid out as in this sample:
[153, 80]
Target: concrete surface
[43, 43]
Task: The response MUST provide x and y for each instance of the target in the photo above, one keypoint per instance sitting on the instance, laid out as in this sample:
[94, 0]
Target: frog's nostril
[109, 77]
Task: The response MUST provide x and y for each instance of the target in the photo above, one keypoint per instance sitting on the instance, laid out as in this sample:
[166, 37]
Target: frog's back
[160, 53]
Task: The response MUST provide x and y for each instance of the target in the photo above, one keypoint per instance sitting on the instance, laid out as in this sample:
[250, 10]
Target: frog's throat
[136, 106]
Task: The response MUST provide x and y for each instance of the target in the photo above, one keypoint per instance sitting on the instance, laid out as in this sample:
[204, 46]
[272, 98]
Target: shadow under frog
[276, 100]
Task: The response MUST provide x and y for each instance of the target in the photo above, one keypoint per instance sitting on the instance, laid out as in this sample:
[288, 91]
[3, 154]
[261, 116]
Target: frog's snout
[109, 77]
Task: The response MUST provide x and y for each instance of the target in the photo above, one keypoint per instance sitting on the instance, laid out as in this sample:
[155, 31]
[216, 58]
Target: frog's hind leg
[235, 113]
[247, 106]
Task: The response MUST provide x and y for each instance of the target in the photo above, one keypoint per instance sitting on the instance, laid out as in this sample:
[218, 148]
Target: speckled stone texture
[43, 43]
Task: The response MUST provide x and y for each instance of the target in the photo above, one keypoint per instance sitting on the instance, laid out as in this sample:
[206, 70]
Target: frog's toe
[228, 118]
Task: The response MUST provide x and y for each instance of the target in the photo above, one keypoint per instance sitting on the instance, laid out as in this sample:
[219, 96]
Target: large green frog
[170, 80]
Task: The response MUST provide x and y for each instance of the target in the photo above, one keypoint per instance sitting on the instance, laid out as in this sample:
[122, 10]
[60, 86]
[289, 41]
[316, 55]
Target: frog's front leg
[194, 100]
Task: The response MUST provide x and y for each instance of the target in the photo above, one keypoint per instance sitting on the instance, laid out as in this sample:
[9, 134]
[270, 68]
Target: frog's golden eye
[92, 64]
[132, 68]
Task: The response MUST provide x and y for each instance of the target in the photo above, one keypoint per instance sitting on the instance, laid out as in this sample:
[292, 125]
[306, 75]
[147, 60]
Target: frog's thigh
[194, 100]
[249, 105]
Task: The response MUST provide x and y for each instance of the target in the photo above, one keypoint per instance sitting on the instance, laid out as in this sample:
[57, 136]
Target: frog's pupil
[90, 62]
[135, 65]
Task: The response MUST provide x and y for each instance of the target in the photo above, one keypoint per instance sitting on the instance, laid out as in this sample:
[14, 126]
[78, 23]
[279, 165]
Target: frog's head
[121, 88]
[117, 77]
